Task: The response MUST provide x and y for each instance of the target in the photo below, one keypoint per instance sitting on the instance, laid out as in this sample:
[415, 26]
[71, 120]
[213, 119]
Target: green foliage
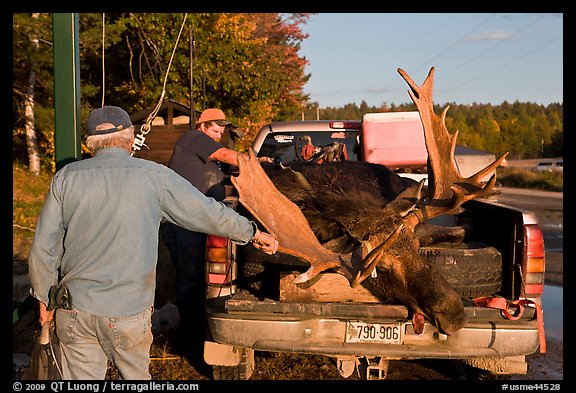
[525, 130]
[247, 64]
[32, 56]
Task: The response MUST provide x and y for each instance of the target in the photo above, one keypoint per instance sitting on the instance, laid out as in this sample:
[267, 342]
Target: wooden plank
[326, 287]
[245, 305]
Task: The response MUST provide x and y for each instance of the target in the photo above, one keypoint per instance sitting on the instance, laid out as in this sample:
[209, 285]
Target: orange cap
[213, 114]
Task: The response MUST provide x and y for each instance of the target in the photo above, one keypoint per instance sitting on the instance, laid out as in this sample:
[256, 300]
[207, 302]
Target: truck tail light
[218, 260]
[534, 260]
[341, 125]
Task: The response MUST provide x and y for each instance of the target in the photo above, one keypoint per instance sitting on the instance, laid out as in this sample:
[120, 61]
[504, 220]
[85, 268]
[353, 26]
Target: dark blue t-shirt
[190, 160]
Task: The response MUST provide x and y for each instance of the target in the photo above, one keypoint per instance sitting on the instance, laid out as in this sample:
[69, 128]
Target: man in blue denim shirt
[97, 235]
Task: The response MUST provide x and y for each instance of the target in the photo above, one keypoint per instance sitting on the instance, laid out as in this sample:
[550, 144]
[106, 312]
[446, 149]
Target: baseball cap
[108, 114]
[214, 114]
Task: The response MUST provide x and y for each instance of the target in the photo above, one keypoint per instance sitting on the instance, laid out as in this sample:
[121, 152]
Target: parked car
[550, 166]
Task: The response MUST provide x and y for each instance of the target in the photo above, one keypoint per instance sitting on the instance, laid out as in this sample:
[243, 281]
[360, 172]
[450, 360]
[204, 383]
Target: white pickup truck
[253, 304]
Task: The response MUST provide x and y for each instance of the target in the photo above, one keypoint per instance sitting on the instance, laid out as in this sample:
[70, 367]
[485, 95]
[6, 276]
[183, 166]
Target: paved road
[549, 208]
[526, 191]
[534, 200]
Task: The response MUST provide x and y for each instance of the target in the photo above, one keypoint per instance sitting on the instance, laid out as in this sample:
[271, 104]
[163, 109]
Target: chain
[147, 126]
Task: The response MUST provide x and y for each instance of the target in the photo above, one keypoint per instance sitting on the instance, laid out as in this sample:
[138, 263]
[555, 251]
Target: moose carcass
[353, 217]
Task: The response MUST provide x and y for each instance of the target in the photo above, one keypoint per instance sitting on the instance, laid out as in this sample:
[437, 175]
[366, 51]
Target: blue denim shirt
[98, 230]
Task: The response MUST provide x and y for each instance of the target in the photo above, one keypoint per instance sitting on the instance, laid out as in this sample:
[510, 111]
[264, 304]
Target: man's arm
[226, 156]
[230, 157]
[47, 247]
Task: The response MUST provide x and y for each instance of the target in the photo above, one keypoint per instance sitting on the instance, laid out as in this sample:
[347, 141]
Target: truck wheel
[243, 371]
[473, 269]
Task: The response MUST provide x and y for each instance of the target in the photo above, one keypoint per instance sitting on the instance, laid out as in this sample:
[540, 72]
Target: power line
[440, 93]
[445, 50]
[489, 49]
[503, 65]
[454, 44]
[417, 43]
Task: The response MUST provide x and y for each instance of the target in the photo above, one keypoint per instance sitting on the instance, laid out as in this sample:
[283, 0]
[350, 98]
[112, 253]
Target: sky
[484, 58]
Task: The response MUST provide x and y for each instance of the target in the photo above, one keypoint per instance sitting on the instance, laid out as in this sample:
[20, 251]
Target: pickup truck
[253, 303]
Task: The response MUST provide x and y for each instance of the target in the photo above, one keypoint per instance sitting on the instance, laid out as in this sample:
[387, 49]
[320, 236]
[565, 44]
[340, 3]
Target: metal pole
[203, 89]
[192, 111]
[66, 54]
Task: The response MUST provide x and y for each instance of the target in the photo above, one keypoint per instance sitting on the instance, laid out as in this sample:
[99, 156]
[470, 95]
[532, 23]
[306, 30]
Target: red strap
[540, 319]
[504, 306]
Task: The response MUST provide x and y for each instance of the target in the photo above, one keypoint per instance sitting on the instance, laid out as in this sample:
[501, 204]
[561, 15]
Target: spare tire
[472, 269]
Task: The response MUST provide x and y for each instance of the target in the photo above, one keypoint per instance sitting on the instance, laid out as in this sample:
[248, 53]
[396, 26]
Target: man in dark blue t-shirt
[197, 156]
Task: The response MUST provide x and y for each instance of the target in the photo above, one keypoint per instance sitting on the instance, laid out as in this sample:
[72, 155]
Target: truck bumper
[488, 336]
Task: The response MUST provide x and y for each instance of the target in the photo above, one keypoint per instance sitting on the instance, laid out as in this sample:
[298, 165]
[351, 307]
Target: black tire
[241, 372]
[472, 269]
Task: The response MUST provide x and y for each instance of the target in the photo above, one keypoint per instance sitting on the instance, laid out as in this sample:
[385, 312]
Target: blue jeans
[87, 341]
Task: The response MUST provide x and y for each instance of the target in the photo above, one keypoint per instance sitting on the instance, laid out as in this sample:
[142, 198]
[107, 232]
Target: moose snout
[451, 324]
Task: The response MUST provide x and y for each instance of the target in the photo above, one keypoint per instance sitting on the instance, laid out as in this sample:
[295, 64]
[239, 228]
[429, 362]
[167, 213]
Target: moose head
[381, 236]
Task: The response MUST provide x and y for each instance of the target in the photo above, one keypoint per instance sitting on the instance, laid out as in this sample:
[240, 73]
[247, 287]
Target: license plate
[380, 333]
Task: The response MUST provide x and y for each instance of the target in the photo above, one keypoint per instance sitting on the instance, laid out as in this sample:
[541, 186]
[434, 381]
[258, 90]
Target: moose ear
[406, 201]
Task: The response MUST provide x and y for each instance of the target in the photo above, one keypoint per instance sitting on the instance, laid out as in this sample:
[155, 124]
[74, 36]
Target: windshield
[282, 147]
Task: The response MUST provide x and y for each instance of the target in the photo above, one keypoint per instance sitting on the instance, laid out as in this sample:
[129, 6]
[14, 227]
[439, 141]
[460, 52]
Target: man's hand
[45, 315]
[265, 159]
[265, 242]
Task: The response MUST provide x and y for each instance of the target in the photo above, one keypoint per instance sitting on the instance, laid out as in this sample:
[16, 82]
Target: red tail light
[217, 260]
[534, 264]
[353, 125]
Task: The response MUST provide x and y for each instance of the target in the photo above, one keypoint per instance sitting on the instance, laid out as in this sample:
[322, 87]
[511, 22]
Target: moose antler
[282, 218]
[388, 245]
[447, 189]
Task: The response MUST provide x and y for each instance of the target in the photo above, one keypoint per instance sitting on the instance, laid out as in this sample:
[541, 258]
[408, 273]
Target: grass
[526, 178]
[28, 193]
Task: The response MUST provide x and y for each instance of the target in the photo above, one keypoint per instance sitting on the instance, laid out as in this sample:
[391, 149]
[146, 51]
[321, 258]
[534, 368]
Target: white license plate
[380, 333]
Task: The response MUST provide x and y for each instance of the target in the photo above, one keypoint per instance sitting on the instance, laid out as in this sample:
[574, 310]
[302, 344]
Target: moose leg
[432, 234]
